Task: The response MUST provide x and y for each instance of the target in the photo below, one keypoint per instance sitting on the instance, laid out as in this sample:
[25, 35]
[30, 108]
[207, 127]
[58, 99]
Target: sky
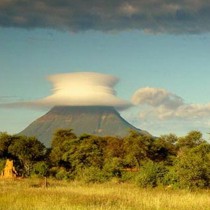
[149, 58]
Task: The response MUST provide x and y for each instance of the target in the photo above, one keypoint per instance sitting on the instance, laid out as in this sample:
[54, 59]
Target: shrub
[93, 174]
[62, 174]
[40, 169]
[171, 178]
[128, 176]
[113, 167]
[151, 174]
[193, 167]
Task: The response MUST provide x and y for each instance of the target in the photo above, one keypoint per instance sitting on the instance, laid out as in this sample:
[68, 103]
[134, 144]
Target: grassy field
[26, 194]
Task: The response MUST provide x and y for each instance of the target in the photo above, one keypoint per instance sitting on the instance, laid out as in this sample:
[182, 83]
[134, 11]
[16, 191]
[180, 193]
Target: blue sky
[174, 59]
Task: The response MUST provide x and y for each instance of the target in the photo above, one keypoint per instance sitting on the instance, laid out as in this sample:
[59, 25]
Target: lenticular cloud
[81, 89]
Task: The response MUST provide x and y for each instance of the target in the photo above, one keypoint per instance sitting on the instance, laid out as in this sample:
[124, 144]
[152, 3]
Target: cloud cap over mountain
[160, 16]
[80, 89]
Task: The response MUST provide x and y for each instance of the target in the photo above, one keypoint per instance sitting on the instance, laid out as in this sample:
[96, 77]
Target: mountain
[97, 120]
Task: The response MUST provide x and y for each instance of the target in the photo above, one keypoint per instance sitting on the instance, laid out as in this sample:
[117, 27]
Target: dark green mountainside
[97, 120]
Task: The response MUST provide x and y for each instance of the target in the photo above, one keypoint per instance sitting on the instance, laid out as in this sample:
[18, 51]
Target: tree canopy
[182, 162]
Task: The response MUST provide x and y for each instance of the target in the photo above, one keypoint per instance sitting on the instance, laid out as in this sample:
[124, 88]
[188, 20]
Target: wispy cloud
[8, 99]
[155, 16]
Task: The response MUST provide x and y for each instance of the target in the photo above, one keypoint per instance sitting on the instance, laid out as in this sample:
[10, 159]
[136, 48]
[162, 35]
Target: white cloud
[157, 103]
[194, 111]
[80, 89]
[156, 97]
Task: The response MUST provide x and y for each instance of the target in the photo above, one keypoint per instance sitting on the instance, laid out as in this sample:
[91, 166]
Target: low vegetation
[30, 194]
[140, 160]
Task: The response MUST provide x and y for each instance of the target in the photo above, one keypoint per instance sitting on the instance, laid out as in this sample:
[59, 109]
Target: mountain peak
[96, 120]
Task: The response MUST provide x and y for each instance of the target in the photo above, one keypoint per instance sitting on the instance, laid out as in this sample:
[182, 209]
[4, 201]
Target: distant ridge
[97, 120]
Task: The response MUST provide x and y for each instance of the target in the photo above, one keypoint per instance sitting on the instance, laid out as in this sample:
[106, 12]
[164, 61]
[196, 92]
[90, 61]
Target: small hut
[9, 170]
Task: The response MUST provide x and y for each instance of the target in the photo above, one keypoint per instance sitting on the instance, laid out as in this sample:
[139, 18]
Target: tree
[137, 148]
[164, 148]
[61, 136]
[28, 150]
[89, 152]
[62, 141]
[151, 174]
[5, 141]
[114, 147]
[114, 153]
[193, 167]
[40, 168]
[192, 139]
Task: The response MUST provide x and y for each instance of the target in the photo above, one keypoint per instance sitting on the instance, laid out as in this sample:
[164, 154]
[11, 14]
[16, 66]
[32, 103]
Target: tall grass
[61, 195]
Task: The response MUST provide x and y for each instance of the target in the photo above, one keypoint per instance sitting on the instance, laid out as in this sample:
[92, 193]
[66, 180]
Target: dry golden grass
[31, 195]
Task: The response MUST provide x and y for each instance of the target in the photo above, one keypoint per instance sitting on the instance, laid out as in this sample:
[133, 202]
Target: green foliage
[129, 176]
[93, 174]
[171, 178]
[62, 174]
[113, 167]
[62, 142]
[5, 141]
[61, 136]
[114, 147]
[28, 150]
[151, 174]
[97, 159]
[164, 148]
[136, 147]
[168, 160]
[87, 151]
[90, 152]
[40, 169]
[192, 139]
[193, 167]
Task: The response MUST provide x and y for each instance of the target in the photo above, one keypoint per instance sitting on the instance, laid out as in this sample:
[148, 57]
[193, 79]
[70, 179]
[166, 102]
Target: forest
[168, 160]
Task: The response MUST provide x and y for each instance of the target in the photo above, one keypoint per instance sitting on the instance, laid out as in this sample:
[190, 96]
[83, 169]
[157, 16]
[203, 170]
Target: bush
[193, 167]
[113, 167]
[151, 174]
[40, 169]
[61, 173]
[171, 178]
[92, 175]
[128, 176]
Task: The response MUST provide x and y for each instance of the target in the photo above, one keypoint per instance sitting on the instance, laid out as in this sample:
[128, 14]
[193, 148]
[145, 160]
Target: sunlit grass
[60, 195]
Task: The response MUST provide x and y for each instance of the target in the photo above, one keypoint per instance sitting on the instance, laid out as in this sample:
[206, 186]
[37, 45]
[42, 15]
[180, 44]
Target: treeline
[180, 162]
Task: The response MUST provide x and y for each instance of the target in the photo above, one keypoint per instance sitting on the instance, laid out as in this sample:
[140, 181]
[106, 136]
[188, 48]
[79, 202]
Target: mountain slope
[97, 120]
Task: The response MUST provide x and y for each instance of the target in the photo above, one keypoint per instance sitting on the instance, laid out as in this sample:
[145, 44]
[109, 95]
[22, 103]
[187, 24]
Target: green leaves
[151, 174]
[136, 147]
[5, 141]
[192, 139]
[193, 167]
[28, 150]
[62, 142]
[182, 162]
